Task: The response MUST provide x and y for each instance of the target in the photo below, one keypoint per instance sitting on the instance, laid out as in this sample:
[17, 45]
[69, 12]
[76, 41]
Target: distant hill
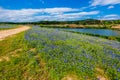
[82, 22]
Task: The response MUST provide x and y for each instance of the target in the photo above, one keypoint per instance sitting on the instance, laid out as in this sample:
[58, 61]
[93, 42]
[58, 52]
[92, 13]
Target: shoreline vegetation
[116, 38]
[105, 37]
[115, 27]
[87, 23]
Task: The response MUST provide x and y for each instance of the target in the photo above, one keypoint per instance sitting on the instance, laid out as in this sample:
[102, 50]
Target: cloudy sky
[60, 10]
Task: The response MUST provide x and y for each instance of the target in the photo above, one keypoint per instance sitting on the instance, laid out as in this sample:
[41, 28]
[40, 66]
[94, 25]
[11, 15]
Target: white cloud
[42, 14]
[77, 15]
[58, 10]
[85, 13]
[110, 7]
[104, 2]
[111, 17]
[28, 14]
[36, 11]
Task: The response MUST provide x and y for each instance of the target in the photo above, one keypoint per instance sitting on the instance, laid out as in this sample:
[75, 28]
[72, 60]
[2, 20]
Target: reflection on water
[102, 32]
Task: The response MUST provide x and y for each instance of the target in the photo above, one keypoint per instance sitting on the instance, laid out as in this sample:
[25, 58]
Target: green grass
[117, 38]
[11, 43]
[22, 63]
[70, 53]
[50, 54]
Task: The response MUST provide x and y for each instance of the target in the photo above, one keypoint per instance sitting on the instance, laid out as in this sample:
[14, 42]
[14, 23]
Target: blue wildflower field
[53, 54]
[65, 52]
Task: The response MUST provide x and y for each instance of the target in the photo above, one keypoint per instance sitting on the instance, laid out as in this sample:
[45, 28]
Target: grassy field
[50, 54]
[116, 38]
[18, 61]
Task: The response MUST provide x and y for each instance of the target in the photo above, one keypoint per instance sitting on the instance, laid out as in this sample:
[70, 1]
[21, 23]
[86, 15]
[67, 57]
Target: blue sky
[60, 10]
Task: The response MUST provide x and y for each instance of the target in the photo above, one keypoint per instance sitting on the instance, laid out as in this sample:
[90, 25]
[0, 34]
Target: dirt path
[6, 33]
[116, 27]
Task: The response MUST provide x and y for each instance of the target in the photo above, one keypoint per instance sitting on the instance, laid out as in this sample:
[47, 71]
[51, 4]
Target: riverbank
[112, 27]
[105, 37]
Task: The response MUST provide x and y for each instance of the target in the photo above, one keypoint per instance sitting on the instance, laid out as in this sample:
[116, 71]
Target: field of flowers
[52, 54]
[5, 26]
[67, 53]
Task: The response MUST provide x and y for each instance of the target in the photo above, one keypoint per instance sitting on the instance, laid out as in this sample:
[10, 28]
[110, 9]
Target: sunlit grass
[18, 61]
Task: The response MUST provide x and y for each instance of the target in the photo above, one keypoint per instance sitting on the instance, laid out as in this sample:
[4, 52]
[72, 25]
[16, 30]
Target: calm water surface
[102, 32]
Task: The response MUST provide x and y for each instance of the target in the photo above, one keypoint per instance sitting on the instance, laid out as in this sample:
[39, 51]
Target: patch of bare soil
[101, 75]
[75, 26]
[6, 58]
[10, 32]
[70, 77]
[12, 54]
[116, 27]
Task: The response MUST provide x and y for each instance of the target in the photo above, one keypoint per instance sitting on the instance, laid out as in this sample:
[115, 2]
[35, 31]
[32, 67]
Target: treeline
[82, 22]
